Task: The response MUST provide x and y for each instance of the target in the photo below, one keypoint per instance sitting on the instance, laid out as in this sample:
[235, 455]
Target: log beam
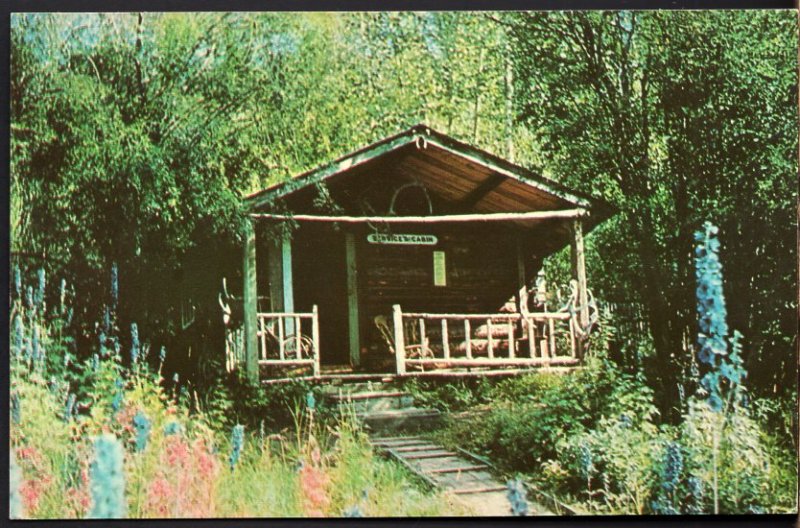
[489, 217]
[250, 296]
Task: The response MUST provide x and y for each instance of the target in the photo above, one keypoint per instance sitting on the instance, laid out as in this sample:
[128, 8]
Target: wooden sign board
[439, 269]
[402, 239]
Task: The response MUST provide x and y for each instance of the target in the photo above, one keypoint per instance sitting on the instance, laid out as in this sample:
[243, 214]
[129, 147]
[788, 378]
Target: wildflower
[107, 479]
[62, 294]
[313, 483]
[671, 471]
[17, 281]
[142, 426]
[70, 407]
[712, 315]
[310, 401]
[134, 343]
[172, 428]
[585, 459]
[162, 355]
[237, 443]
[16, 509]
[114, 285]
[36, 346]
[353, 511]
[107, 320]
[101, 338]
[19, 333]
[175, 378]
[39, 298]
[116, 403]
[16, 408]
[696, 493]
[29, 297]
[517, 497]
[95, 362]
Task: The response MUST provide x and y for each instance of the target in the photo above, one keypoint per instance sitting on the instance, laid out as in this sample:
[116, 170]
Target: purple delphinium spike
[17, 281]
[142, 426]
[107, 477]
[237, 443]
[114, 286]
[134, 343]
[39, 298]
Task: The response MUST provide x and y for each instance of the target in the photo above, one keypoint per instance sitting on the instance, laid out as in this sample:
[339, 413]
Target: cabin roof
[457, 172]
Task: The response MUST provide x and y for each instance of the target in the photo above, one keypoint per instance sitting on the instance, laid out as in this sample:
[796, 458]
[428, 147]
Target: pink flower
[313, 483]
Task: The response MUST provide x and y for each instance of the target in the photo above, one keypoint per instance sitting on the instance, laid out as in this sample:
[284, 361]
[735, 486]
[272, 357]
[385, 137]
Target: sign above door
[403, 239]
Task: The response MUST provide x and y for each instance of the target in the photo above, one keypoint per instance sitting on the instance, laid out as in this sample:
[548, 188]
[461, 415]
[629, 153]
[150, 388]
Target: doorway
[320, 277]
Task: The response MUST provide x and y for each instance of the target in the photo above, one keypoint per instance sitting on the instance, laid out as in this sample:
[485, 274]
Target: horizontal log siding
[481, 273]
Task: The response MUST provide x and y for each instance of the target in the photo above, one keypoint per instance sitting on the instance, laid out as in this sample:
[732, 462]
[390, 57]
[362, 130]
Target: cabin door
[320, 278]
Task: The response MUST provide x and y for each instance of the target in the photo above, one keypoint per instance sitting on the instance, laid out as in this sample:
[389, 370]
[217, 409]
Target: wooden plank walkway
[460, 473]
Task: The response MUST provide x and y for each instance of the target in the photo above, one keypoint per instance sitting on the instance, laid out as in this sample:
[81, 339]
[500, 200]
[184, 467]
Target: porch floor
[335, 374]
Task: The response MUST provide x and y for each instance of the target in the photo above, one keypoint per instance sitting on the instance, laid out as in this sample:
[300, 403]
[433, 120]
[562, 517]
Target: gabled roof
[457, 172]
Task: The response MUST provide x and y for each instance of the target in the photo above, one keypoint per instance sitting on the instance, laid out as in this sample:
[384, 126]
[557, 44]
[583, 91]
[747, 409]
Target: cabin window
[439, 269]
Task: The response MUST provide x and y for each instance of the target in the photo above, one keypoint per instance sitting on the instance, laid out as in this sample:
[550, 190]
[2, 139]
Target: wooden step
[459, 469]
[486, 489]
[421, 456]
[417, 448]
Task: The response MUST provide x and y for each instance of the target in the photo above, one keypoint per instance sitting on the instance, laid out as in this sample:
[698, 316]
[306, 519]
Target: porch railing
[285, 339]
[443, 341]
[289, 339]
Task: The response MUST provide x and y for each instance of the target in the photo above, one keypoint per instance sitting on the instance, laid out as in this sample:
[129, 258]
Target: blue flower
[95, 362]
[114, 286]
[585, 459]
[353, 511]
[134, 343]
[16, 510]
[69, 409]
[172, 428]
[29, 297]
[17, 281]
[162, 355]
[36, 346]
[142, 426]
[19, 333]
[16, 408]
[39, 298]
[107, 479]
[62, 295]
[517, 497]
[237, 443]
[310, 401]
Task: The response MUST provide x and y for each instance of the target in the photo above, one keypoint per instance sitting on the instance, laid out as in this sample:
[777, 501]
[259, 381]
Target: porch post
[250, 296]
[281, 283]
[579, 275]
[352, 300]
[288, 280]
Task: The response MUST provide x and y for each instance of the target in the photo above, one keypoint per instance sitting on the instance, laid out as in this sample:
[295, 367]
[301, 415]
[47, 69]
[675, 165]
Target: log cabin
[415, 255]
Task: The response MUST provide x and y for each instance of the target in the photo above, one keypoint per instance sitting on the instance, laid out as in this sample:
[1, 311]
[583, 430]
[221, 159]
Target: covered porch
[417, 255]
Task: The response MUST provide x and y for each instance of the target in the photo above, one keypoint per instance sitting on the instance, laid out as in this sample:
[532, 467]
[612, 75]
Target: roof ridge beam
[489, 217]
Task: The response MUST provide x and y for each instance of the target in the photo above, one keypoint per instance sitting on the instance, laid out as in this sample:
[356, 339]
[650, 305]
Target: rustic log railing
[285, 339]
[444, 341]
[282, 341]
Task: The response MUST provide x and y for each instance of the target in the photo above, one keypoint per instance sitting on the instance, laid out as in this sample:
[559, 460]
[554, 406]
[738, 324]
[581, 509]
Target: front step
[374, 401]
[396, 420]
[382, 407]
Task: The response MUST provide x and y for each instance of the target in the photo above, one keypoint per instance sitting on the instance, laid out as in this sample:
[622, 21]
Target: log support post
[353, 321]
[579, 275]
[399, 339]
[281, 281]
[250, 302]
